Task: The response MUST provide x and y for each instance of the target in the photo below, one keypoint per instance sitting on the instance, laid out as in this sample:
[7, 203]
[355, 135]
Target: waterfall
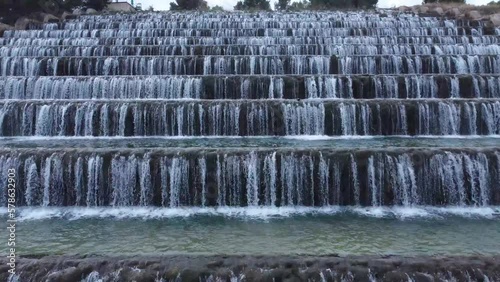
[373, 183]
[226, 110]
[33, 196]
[307, 119]
[79, 180]
[249, 64]
[261, 178]
[202, 165]
[355, 180]
[477, 171]
[145, 182]
[405, 185]
[178, 174]
[213, 119]
[124, 174]
[449, 119]
[270, 172]
[324, 181]
[44, 124]
[94, 180]
[471, 113]
[348, 117]
[46, 181]
[491, 117]
[252, 180]
[221, 200]
[220, 87]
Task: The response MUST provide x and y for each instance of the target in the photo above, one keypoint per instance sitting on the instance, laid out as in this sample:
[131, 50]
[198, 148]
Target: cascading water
[260, 178]
[368, 76]
[254, 114]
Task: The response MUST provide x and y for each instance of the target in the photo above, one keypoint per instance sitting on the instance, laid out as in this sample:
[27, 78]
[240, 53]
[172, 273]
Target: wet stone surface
[256, 268]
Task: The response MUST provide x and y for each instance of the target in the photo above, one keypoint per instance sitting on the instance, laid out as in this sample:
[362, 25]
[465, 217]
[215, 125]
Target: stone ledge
[254, 268]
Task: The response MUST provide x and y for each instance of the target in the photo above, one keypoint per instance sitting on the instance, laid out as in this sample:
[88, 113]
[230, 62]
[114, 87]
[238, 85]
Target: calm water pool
[114, 231]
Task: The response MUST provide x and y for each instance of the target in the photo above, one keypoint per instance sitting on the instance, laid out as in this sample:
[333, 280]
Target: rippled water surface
[410, 231]
[312, 141]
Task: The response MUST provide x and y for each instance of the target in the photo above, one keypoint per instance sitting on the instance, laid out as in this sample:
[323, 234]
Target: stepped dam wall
[305, 146]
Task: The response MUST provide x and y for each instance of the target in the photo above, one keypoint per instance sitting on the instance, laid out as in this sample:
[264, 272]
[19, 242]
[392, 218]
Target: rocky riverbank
[254, 268]
[490, 14]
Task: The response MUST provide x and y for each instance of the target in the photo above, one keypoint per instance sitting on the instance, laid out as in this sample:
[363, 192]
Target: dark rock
[395, 276]
[68, 16]
[4, 27]
[23, 23]
[454, 12]
[361, 273]
[309, 262]
[474, 15]
[254, 275]
[422, 277]
[78, 12]
[289, 264]
[495, 19]
[91, 11]
[190, 275]
[68, 274]
[404, 9]
[195, 268]
[44, 17]
[214, 264]
[141, 276]
[438, 11]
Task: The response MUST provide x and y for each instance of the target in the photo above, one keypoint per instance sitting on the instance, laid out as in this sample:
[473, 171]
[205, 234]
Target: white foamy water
[429, 212]
[295, 137]
[311, 137]
[76, 213]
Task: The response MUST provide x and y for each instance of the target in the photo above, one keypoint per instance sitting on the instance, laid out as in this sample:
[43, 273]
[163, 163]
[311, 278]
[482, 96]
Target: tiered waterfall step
[244, 117]
[255, 177]
[211, 87]
[245, 64]
[255, 23]
[256, 50]
[237, 32]
[255, 40]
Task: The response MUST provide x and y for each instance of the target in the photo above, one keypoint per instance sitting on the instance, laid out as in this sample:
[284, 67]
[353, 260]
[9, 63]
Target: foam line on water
[343, 137]
[314, 137]
[298, 137]
[244, 100]
[175, 137]
[147, 213]
[144, 76]
[260, 56]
